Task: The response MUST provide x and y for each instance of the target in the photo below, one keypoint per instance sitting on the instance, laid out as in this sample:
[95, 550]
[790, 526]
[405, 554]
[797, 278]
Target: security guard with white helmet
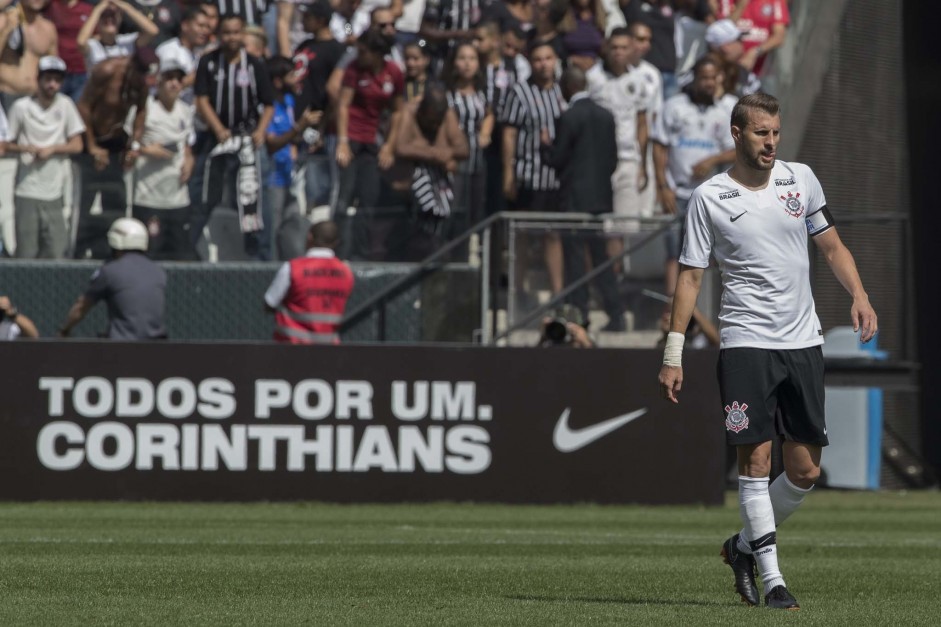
[133, 286]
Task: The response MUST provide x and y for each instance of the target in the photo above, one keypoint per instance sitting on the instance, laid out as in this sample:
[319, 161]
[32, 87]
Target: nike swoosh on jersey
[567, 439]
[738, 216]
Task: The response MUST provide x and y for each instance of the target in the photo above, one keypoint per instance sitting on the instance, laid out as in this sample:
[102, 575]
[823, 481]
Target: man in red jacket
[309, 293]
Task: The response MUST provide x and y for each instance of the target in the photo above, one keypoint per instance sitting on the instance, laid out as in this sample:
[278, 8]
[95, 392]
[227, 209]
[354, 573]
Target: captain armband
[819, 221]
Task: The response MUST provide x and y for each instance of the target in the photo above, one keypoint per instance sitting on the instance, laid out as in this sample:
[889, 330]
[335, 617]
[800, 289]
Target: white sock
[758, 516]
[785, 498]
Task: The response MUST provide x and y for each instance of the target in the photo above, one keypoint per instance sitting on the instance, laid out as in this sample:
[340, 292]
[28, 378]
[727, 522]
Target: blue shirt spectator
[282, 161]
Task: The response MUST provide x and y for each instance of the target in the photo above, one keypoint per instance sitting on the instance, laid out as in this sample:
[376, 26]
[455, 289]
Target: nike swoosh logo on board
[738, 216]
[567, 439]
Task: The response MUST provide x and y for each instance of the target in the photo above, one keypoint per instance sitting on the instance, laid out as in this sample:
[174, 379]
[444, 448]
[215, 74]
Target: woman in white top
[99, 39]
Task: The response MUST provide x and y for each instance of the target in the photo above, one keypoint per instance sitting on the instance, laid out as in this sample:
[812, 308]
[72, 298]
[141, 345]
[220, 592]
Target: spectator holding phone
[161, 196]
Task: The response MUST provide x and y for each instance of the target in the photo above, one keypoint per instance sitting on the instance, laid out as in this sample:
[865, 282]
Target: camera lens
[556, 331]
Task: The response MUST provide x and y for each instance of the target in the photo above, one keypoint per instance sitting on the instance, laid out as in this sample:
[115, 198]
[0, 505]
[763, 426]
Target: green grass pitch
[849, 558]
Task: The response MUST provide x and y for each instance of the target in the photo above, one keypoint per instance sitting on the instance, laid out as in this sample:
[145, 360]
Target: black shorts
[772, 392]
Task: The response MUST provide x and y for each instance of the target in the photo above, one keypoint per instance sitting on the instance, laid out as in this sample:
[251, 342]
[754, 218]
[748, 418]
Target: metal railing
[488, 285]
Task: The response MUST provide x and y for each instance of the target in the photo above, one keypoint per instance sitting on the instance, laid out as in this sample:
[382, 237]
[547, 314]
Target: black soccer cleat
[743, 566]
[780, 599]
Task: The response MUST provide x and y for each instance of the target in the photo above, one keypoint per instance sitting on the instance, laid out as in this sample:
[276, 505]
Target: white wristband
[673, 351]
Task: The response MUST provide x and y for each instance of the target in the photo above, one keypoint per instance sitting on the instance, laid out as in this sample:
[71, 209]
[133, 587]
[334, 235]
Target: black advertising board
[234, 422]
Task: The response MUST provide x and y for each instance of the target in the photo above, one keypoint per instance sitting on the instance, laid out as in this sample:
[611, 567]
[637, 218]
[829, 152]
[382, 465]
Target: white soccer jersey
[759, 240]
[692, 132]
[625, 96]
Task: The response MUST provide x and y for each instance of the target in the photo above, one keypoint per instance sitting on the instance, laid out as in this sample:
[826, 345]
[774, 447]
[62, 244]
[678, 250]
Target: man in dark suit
[585, 156]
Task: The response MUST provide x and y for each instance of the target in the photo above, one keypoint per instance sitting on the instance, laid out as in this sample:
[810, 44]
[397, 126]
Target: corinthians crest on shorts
[793, 204]
[735, 418]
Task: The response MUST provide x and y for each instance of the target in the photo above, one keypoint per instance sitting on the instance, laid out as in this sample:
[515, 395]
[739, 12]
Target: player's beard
[754, 161]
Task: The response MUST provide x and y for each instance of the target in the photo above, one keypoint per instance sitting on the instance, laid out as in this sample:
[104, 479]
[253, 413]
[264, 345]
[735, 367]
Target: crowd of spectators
[409, 119]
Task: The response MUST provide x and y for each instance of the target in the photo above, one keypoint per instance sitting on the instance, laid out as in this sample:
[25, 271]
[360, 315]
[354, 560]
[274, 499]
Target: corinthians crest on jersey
[793, 204]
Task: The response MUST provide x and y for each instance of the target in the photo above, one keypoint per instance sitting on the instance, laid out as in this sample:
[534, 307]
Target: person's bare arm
[688, 285]
[740, 7]
[148, 30]
[509, 161]
[665, 194]
[775, 39]
[344, 154]
[27, 328]
[485, 136]
[702, 169]
[262, 130]
[76, 313]
[844, 269]
[285, 11]
[309, 119]
[387, 152]
[335, 85]
[457, 141]
[189, 162]
[208, 114]
[642, 139]
[87, 31]
[72, 147]
[429, 31]
[409, 143]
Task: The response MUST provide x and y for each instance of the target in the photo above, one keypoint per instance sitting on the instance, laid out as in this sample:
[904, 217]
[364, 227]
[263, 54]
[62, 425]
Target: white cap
[722, 32]
[128, 234]
[171, 64]
[51, 64]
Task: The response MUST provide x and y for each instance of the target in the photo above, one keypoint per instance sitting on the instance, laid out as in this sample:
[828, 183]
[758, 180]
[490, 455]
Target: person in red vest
[309, 293]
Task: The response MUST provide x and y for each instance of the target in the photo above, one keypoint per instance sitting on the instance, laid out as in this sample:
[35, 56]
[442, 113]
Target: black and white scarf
[247, 181]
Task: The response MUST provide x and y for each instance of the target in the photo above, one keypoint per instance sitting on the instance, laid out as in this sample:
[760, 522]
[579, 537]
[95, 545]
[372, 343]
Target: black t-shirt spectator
[662, 53]
[235, 90]
[314, 61]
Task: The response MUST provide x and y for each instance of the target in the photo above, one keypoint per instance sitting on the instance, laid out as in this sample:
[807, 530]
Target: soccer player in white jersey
[755, 221]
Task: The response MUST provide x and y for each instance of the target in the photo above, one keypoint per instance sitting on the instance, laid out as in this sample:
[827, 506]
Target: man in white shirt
[617, 87]
[691, 140]
[755, 221]
[652, 80]
[45, 130]
[161, 196]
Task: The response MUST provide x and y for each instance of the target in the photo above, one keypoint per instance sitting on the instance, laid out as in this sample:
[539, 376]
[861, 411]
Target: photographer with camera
[566, 328]
[13, 324]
